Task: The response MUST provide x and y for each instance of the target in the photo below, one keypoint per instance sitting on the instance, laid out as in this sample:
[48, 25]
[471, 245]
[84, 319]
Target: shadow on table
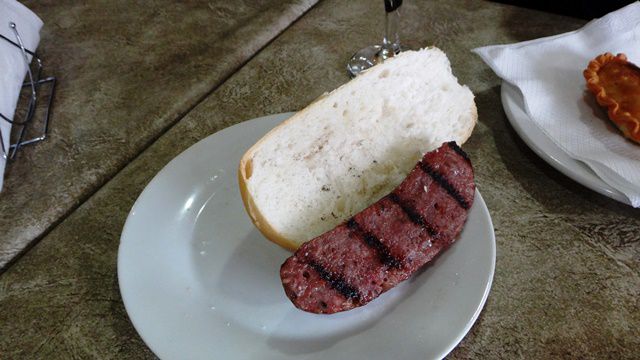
[585, 9]
[520, 25]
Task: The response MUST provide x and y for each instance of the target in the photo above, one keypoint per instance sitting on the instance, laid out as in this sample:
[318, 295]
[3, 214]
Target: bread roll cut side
[350, 147]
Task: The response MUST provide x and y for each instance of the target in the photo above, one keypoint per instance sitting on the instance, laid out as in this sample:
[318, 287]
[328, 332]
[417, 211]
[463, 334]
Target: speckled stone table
[127, 71]
[567, 278]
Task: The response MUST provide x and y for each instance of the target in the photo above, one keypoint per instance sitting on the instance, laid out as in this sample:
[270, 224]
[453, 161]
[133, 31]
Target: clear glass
[374, 54]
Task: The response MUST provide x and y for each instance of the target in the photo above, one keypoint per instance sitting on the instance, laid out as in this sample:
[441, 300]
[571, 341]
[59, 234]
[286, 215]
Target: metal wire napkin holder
[34, 82]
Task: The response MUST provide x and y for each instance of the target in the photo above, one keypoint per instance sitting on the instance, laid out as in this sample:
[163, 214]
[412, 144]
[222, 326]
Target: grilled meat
[387, 242]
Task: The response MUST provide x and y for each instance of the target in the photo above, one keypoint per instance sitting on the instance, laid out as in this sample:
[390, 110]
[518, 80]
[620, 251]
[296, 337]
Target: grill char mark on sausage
[444, 183]
[413, 215]
[458, 150]
[373, 242]
[336, 281]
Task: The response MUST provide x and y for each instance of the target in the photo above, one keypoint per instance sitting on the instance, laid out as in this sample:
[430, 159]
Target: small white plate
[513, 104]
[200, 282]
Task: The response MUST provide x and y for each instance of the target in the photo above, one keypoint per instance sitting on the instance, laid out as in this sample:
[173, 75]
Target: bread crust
[474, 117]
[256, 216]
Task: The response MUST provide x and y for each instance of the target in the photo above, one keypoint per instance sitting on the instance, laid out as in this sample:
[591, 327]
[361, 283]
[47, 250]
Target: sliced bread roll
[352, 146]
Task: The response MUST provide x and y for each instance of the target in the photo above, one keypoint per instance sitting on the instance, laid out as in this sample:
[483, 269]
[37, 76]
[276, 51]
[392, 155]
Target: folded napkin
[548, 72]
[12, 66]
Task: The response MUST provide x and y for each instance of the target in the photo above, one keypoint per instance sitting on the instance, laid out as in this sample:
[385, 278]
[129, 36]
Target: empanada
[616, 84]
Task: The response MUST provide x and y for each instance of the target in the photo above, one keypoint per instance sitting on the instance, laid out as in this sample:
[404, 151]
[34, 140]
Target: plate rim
[147, 187]
[487, 289]
[558, 159]
[283, 116]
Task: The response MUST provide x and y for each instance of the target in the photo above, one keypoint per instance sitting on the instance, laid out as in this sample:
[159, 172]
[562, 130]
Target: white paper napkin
[12, 66]
[548, 72]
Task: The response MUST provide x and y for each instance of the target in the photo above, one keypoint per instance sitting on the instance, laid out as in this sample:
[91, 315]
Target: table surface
[141, 82]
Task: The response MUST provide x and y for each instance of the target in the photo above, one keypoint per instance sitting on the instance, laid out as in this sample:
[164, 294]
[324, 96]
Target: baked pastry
[616, 84]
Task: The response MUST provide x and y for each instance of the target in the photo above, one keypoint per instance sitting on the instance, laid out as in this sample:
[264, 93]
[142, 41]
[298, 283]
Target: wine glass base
[368, 57]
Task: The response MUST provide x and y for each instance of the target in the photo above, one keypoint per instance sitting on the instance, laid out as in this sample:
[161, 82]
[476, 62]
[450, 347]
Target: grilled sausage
[387, 242]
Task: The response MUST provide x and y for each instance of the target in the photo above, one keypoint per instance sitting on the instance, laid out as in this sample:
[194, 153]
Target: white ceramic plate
[199, 282]
[513, 104]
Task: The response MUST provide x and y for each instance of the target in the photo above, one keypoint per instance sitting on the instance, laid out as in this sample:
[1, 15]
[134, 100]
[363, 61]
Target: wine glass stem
[391, 40]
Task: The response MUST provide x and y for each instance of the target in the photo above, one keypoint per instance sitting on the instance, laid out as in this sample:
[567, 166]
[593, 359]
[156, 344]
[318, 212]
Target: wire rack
[33, 85]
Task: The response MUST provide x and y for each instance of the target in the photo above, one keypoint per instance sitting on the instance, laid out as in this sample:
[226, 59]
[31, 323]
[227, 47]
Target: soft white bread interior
[352, 146]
